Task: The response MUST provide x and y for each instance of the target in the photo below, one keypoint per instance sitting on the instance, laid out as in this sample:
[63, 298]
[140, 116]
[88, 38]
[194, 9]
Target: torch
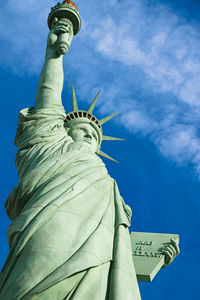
[67, 11]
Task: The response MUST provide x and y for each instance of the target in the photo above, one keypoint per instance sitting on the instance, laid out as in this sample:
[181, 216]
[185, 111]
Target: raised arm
[51, 79]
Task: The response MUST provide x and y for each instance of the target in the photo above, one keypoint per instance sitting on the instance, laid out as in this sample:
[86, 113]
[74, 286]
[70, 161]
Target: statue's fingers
[162, 249]
[61, 22]
[164, 245]
[64, 22]
[167, 258]
[168, 254]
[55, 20]
[58, 29]
[175, 244]
[173, 249]
[170, 251]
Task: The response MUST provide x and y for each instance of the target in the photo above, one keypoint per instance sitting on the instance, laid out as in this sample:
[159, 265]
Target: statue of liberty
[69, 237]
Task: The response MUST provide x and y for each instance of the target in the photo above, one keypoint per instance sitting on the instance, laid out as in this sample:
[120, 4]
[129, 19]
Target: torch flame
[70, 3]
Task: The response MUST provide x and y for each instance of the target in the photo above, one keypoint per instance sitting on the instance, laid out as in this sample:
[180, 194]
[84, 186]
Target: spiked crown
[81, 116]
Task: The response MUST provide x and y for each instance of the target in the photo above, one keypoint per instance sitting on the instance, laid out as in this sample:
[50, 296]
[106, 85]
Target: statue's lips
[87, 141]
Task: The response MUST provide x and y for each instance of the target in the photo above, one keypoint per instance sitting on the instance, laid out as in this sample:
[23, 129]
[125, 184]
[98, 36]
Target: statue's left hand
[170, 250]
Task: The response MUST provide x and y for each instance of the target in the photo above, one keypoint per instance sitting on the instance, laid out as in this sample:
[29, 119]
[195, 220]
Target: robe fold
[69, 238]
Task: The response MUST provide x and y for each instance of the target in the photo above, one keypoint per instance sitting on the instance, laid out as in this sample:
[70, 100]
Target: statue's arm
[51, 79]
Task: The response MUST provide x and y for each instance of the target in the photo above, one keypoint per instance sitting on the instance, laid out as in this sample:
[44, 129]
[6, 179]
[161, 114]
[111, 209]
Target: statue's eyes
[85, 131]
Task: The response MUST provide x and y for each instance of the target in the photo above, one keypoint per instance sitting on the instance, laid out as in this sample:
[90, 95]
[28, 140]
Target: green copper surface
[69, 237]
[91, 108]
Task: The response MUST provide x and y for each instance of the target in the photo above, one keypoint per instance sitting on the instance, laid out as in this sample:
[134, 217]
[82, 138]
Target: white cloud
[23, 27]
[182, 144]
[136, 121]
[166, 57]
[145, 57]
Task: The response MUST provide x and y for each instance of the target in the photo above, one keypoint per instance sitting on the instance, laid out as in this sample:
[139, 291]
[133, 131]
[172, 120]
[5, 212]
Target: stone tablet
[146, 256]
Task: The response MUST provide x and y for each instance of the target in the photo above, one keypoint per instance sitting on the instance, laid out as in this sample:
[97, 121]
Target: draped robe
[69, 238]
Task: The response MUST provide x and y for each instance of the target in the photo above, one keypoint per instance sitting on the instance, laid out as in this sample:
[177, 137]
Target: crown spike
[74, 101]
[102, 121]
[91, 108]
[106, 156]
[110, 138]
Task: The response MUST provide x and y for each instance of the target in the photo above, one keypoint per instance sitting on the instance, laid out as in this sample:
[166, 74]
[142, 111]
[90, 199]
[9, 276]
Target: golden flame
[70, 3]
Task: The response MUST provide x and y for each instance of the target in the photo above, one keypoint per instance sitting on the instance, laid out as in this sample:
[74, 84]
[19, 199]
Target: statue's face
[84, 132]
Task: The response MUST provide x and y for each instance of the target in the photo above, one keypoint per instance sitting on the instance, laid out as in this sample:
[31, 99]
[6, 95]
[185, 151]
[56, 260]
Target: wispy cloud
[145, 57]
[23, 29]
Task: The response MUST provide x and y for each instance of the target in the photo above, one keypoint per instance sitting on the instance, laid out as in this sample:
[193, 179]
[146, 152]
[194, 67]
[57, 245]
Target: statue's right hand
[58, 27]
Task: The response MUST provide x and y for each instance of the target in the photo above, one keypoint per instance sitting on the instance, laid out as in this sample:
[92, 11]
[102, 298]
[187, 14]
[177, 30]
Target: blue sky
[145, 57]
